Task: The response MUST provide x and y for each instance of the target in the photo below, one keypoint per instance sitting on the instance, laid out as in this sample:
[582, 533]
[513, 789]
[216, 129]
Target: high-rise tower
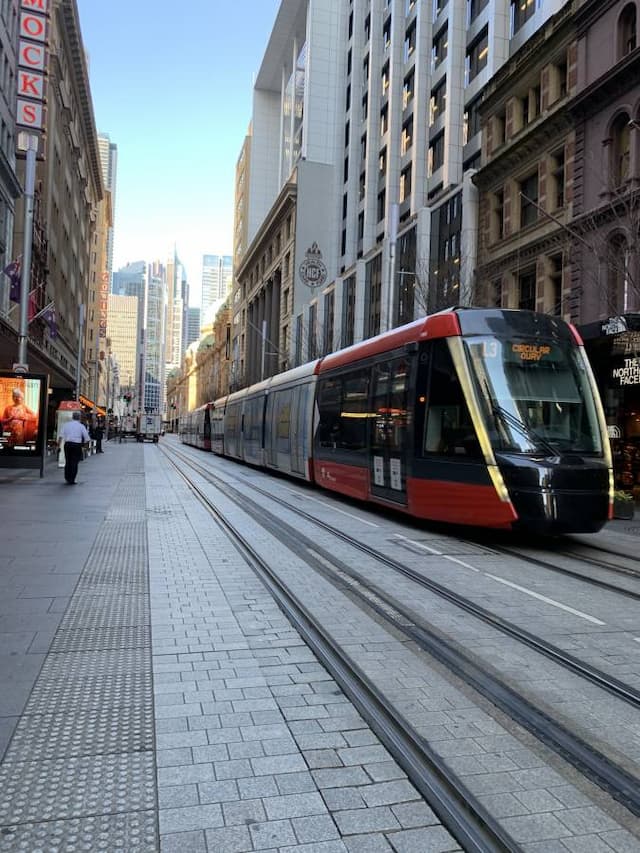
[109, 161]
[217, 271]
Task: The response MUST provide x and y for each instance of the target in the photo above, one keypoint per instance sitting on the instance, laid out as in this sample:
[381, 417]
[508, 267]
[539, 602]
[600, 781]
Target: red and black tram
[484, 417]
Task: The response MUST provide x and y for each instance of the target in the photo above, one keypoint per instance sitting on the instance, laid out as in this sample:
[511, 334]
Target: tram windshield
[536, 395]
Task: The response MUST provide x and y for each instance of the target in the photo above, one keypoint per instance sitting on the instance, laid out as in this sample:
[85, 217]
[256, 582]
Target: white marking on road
[461, 563]
[418, 544]
[335, 509]
[547, 600]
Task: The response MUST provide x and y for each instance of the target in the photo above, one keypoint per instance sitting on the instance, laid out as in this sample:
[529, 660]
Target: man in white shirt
[73, 435]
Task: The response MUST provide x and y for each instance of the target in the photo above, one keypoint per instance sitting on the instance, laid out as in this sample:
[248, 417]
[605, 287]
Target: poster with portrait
[23, 416]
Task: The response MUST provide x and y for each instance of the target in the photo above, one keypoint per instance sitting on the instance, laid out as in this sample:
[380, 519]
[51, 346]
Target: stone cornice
[286, 199]
[70, 27]
[512, 157]
[618, 80]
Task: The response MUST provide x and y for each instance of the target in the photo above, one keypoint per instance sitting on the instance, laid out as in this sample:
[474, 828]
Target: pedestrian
[98, 434]
[73, 435]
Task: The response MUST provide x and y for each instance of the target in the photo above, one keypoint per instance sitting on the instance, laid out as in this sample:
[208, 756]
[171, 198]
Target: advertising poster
[23, 399]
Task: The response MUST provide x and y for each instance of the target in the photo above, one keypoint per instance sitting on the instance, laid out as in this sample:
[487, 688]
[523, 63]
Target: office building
[193, 327]
[129, 280]
[217, 271]
[123, 334]
[364, 140]
[109, 162]
[151, 340]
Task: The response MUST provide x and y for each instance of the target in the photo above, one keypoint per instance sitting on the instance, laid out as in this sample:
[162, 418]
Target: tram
[484, 417]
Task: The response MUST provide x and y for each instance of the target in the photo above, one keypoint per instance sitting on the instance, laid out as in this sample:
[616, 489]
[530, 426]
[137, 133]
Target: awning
[91, 405]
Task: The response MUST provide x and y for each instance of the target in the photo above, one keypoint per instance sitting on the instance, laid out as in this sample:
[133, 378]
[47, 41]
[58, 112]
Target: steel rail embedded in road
[621, 785]
[460, 812]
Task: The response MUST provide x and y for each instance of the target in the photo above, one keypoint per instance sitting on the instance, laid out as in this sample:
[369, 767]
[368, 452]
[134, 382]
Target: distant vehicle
[149, 428]
[127, 427]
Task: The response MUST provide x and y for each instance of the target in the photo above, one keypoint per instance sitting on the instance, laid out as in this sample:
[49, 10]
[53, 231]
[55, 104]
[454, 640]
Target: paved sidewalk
[153, 696]
[48, 529]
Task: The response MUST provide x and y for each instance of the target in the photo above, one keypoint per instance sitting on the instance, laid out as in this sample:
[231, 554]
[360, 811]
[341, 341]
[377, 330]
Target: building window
[405, 183]
[410, 42]
[382, 162]
[407, 136]
[363, 147]
[373, 293]
[555, 277]
[627, 30]
[521, 11]
[384, 120]
[440, 46]
[386, 79]
[312, 341]
[557, 179]
[438, 102]
[497, 216]
[496, 293]
[436, 154]
[438, 6]
[362, 186]
[348, 311]
[386, 33]
[349, 61]
[367, 28]
[329, 307]
[408, 89]
[347, 129]
[347, 105]
[361, 225]
[527, 290]
[381, 205]
[474, 8]
[620, 150]
[344, 206]
[345, 173]
[477, 55]
[299, 329]
[617, 279]
[529, 200]
[365, 106]
[471, 120]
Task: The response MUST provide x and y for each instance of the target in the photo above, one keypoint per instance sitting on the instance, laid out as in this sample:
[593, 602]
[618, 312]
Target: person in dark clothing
[73, 436]
[98, 434]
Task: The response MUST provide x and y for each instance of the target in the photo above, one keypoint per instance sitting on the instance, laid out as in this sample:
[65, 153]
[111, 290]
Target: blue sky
[172, 86]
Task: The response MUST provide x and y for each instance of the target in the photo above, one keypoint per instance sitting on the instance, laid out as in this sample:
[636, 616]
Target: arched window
[620, 150]
[627, 30]
[617, 259]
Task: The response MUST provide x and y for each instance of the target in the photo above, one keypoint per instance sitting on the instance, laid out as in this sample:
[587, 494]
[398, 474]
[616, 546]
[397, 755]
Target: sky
[172, 86]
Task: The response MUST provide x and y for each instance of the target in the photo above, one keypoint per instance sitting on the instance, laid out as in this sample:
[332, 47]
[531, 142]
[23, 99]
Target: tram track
[521, 554]
[460, 812]
[612, 778]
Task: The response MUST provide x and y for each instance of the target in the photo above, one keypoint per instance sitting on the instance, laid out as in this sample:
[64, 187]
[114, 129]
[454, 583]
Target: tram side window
[390, 405]
[329, 408]
[449, 430]
[355, 406]
[343, 405]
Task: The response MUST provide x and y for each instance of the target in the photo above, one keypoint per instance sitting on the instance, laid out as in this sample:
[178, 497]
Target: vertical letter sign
[32, 64]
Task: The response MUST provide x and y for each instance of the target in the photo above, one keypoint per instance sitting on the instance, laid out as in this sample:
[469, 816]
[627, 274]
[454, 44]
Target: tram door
[389, 430]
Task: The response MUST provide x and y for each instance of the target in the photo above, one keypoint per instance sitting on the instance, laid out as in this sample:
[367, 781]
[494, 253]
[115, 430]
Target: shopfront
[613, 347]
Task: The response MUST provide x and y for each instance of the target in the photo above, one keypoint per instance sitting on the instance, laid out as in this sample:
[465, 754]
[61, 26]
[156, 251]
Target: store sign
[629, 373]
[103, 304]
[32, 64]
[614, 326]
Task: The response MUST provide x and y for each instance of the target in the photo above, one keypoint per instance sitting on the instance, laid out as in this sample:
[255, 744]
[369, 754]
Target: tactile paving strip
[103, 639]
[106, 611]
[85, 692]
[79, 773]
[129, 833]
[115, 729]
[72, 787]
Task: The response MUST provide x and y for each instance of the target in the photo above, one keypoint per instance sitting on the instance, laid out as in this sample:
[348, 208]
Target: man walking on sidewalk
[74, 434]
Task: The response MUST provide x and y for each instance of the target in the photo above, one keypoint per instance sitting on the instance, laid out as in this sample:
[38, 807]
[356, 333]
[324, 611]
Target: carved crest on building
[312, 270]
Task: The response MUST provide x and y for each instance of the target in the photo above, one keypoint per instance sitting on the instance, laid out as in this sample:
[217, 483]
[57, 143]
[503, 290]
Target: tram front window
[536, 395]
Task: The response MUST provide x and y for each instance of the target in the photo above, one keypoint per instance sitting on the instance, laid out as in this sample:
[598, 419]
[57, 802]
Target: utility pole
[27, 142]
